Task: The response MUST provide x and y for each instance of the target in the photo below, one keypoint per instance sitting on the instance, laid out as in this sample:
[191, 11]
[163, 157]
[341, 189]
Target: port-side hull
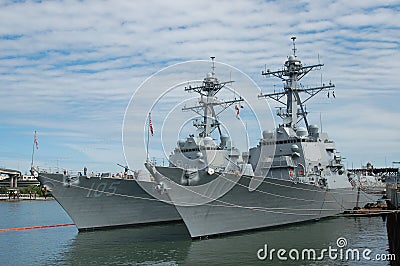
[107, 202]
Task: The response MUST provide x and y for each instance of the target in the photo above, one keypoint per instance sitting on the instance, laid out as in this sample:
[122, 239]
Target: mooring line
[33, 227]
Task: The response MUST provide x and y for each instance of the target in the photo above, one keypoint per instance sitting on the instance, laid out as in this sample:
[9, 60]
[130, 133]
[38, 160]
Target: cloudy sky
[68, 69]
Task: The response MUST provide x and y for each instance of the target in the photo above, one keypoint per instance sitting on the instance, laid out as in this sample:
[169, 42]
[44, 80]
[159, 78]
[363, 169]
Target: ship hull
[94, 203]
[275, 202]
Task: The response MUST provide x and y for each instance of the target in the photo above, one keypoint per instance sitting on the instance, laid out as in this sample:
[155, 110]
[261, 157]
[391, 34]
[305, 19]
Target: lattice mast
[208, 90]
[292, 72]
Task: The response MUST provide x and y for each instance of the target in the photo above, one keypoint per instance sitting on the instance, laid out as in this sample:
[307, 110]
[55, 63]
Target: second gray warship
[295, 174]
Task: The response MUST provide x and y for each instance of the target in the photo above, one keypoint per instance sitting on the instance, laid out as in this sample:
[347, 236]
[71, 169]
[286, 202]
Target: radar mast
[207, 90]
[292, 72]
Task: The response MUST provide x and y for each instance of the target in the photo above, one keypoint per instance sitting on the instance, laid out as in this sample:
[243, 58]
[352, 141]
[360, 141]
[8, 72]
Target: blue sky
[68, 69]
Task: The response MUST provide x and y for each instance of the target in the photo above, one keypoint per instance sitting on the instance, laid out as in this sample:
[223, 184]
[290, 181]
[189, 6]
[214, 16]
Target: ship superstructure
[301, 153]
[195, 159]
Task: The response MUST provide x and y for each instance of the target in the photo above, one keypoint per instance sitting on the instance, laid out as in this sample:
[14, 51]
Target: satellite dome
[313, 129]
[301, 132]
[208, 141]
[181, 143]
[223, 135]
[295, 148]
[224, 140]
[267, 134]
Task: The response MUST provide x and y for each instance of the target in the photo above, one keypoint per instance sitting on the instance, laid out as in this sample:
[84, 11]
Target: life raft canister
[290, 173]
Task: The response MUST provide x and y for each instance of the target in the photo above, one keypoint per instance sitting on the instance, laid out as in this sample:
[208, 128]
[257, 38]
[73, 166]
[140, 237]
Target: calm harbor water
[170, 244]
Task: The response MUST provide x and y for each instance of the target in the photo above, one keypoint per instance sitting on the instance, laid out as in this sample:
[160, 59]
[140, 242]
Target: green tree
[31, 189]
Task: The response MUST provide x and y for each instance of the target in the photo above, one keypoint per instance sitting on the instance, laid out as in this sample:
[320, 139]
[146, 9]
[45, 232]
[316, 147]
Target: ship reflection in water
[171, 244]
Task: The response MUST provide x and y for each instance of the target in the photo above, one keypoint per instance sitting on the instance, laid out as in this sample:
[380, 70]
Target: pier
[15, 186]
[393, 232]
[387, 180]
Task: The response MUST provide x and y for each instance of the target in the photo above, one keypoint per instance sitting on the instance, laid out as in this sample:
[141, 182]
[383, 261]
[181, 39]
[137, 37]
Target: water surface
[170, 244]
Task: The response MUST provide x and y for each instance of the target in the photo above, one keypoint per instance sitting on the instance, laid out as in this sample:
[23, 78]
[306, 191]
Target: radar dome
[224, 140]
[301, 132]
[295, 148]
[313, 129]
[208, 141]
[224, 136]
[181, 143]
[267, 134]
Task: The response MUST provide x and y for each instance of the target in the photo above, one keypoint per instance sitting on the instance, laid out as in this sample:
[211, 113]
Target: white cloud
[71, 67]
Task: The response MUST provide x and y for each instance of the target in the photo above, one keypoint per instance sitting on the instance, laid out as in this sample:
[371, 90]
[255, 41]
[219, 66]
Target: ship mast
[292, 72]
[209, 88]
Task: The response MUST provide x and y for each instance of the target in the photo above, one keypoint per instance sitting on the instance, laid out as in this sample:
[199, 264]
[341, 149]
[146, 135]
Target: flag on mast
[237, 111]
[151, 125]
[35, 141]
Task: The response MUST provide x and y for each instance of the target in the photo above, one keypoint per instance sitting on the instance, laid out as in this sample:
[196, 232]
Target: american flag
[35, 141]
[151, 126]
[237, 111]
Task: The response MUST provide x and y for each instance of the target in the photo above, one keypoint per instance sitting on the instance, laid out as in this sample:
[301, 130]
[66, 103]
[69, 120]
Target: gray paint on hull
[105, 202]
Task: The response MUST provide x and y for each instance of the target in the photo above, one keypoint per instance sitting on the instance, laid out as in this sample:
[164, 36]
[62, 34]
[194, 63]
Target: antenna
[294, 45]
[320, 121]
[213, 65]
[321, 78]
[319, 63]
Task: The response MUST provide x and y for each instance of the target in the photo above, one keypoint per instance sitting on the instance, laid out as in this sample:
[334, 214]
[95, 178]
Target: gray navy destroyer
[294, 174]
[103, 201]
